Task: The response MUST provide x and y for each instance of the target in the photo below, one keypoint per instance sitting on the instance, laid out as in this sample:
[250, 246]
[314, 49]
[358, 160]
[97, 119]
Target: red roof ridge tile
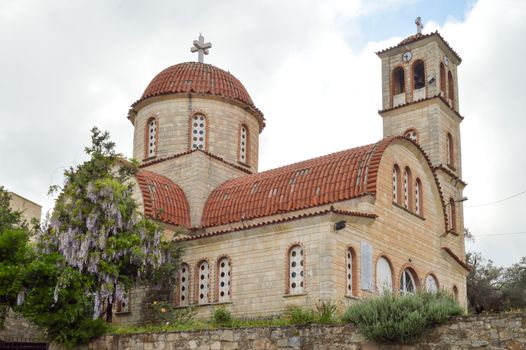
[163, 200]
[177, 155]
[456, 258]
[420, 36]
[440, 97]
[275, 221]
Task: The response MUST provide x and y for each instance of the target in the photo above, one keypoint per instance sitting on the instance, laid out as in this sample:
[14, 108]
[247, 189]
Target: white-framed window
[184, 284]
[349, 276]
[384, 276]
[407, 282]
[198, 134]
[203, 282]
[396, 179]
[407, 188]
[418, 197]
[151, 139]
[243, 143]
[223, 279]
[431, 284]
[296, 270]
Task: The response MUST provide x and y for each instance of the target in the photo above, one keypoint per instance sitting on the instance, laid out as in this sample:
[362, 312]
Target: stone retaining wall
[506, 331]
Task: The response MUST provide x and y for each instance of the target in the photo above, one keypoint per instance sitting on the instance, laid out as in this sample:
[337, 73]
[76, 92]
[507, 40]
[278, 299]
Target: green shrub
[222, 317]
[401, 318]
[325, 312]
[300, 316]
[163, 313]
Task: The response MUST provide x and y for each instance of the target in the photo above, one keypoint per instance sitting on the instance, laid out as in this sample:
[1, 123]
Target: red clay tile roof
[456, 258]
[276, 221]
[200, 78]
[327, 179]
[163, 200]
[420, 36]
[439, 97]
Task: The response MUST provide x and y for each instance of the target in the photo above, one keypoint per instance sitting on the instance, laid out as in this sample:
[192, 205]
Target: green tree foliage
[492, 288]
[401, 318]
[97, 227]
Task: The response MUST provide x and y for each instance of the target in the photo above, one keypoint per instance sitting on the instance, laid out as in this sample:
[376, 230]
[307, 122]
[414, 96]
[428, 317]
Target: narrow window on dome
[442, 80]
[396, 184]
[450, 150]
[184, 283]
[296, 270]
[223, 279]
[349, 275]
[243, 144]
[203, 282]
[198, 134]
[151, 138]
[408, 281]
[451, 89]
[407, 188]
[418, 197]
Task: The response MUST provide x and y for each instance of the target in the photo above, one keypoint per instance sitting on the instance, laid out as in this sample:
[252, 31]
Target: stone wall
[506, 331]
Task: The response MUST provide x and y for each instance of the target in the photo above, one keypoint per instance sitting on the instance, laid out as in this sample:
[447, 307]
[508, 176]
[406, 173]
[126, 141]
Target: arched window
[407, 188]
[243, 143]
[384, 276]
[418, 197]
[452, 215]
[450, 150]
[396, 184]
[151, 138]
[411, 134]
[123, 305]
[203, 282]
[349, 276]
[184, 284]
[198, 135]
[223, 279]
[398, 81]
[431, 284]
[296, 270]
[408, 281]
[442, 80]
[451, 89]
[419, 75]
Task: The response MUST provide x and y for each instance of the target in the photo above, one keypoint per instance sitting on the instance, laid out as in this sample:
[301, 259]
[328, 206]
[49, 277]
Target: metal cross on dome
[419, 25]
[201, 48]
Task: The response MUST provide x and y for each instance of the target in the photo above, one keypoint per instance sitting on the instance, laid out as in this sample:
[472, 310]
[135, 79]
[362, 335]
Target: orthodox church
[386, 216]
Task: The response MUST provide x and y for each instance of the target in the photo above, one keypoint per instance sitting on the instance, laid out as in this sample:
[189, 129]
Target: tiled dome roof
[198, 78]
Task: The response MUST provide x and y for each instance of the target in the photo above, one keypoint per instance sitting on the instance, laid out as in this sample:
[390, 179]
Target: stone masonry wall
[506, 331]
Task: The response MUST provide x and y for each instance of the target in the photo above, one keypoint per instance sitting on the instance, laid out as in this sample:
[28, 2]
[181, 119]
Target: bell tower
[420, 101]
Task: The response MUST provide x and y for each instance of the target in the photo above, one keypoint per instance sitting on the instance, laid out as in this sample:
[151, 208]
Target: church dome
[199, 78]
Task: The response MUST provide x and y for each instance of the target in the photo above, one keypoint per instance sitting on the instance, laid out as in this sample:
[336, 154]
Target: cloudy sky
[309, 65]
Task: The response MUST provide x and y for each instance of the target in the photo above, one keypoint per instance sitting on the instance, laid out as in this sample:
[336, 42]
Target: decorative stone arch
[202, 284]
[289, 269]
[227, 278]
[408, 271]
[428, 278]
[411, 134]
[195, 125]
[351, 285]
[151, 136]
[378, 280]
[418, 70]
[398, 85]
[243, 142]
[182, 296]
